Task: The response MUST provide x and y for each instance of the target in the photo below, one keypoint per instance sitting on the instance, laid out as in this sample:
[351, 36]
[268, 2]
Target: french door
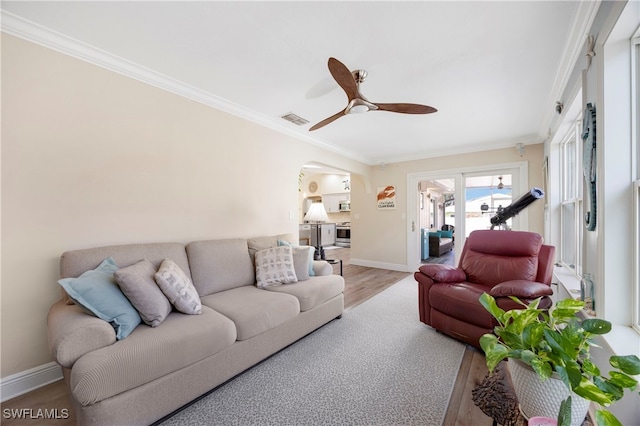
[466, 203]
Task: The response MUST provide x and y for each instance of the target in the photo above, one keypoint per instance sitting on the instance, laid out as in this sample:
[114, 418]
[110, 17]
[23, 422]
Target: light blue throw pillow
[446, 234]
[96, 291]
[311, 253]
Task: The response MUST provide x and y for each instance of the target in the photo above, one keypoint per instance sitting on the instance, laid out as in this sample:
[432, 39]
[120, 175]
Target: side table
[335, 262]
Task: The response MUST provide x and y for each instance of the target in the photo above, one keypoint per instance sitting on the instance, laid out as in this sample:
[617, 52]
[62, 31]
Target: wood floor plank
[467, 412]
[361, 284]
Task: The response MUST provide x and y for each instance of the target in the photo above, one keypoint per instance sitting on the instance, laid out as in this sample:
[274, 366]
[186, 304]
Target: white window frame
[636, 254]
[635, 156]
[573, 135]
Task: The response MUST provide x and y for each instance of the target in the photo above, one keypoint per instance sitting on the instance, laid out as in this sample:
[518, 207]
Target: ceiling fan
[350, 83]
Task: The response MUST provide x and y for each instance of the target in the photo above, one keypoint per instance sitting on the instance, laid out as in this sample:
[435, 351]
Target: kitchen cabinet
[327, 234]
[332, 201]
[304, 234]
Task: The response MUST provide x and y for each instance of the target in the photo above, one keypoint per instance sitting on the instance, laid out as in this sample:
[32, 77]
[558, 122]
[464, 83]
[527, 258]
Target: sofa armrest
[522, 289]
[443, 273]
[73, 333]
[322, 267]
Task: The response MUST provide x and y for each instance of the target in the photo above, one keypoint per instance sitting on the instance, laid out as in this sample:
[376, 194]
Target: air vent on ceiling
[295, 119]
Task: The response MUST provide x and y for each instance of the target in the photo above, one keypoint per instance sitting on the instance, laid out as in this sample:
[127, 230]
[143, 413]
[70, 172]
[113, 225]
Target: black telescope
[516, 207]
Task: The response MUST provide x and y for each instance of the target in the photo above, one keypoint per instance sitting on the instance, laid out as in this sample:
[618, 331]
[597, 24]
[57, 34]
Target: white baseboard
[380, 265]
[28, 380]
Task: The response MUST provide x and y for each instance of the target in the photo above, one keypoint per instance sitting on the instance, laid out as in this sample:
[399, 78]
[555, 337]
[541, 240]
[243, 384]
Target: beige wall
[90, 157]
[382, 235]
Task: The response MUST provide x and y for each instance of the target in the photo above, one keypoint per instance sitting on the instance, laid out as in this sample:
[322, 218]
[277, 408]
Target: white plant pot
[538, 398]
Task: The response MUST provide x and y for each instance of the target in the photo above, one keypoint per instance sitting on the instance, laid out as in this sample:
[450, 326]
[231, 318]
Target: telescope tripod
[502, 226]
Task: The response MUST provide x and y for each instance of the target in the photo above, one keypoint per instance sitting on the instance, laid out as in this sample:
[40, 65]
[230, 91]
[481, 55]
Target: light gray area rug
[378, 365]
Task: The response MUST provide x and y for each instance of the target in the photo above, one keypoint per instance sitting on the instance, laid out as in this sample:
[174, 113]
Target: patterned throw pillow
[178, 288]
[274, 266]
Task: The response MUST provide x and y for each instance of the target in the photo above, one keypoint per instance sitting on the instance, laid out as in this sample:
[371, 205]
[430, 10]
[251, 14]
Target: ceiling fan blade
[326, 121]
[407, 108]
[343, 77]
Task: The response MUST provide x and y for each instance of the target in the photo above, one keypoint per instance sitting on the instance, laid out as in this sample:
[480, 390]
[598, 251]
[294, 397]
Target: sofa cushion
[313, 292]
[446, 234]
[150, 353]
[96, 291]
[137, 282]
[261, 243]
[178, 288]
[218, 265]
[253, 310]
[274, 266]
[75, 262]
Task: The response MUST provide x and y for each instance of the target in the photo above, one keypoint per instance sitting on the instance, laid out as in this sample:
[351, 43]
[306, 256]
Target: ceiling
[494, 70]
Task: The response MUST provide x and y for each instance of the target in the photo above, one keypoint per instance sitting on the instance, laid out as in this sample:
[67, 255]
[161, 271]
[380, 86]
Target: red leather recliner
[501, 263]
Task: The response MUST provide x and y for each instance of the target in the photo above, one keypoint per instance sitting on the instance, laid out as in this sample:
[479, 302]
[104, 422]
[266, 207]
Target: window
[635, 137]
[636, 272]
[571, 199]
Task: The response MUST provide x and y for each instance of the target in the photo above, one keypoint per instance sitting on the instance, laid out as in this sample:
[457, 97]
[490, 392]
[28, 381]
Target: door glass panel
[437, 207]
[484, 197]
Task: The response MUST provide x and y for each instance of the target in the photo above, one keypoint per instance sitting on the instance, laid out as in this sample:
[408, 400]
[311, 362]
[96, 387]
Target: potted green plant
[556, 343]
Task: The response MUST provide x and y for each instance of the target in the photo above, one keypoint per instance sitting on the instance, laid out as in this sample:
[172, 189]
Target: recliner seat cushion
[149, 353]
[313, 292]
[253, 310]
[461, 301]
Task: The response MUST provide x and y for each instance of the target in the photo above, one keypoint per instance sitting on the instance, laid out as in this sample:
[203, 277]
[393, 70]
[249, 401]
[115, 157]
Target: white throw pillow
[274, 266]
[302, 259]
[178, 288]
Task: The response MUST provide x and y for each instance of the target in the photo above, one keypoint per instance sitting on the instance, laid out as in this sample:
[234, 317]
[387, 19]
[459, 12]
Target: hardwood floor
[361, 283]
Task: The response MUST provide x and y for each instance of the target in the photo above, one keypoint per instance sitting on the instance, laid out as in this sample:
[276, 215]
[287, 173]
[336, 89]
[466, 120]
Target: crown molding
[466, 149]
[30, 31]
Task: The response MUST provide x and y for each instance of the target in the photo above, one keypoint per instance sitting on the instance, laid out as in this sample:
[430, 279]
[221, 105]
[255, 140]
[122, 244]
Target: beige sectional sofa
[153, 371]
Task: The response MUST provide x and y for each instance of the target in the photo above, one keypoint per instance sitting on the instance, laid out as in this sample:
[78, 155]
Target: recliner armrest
[522, 289]
[443, 273]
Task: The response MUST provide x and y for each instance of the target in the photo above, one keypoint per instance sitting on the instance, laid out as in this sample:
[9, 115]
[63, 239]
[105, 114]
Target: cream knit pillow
[178, 288]
[274, 266]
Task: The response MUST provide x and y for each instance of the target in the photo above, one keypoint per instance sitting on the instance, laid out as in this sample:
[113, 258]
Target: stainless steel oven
[343, 234]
